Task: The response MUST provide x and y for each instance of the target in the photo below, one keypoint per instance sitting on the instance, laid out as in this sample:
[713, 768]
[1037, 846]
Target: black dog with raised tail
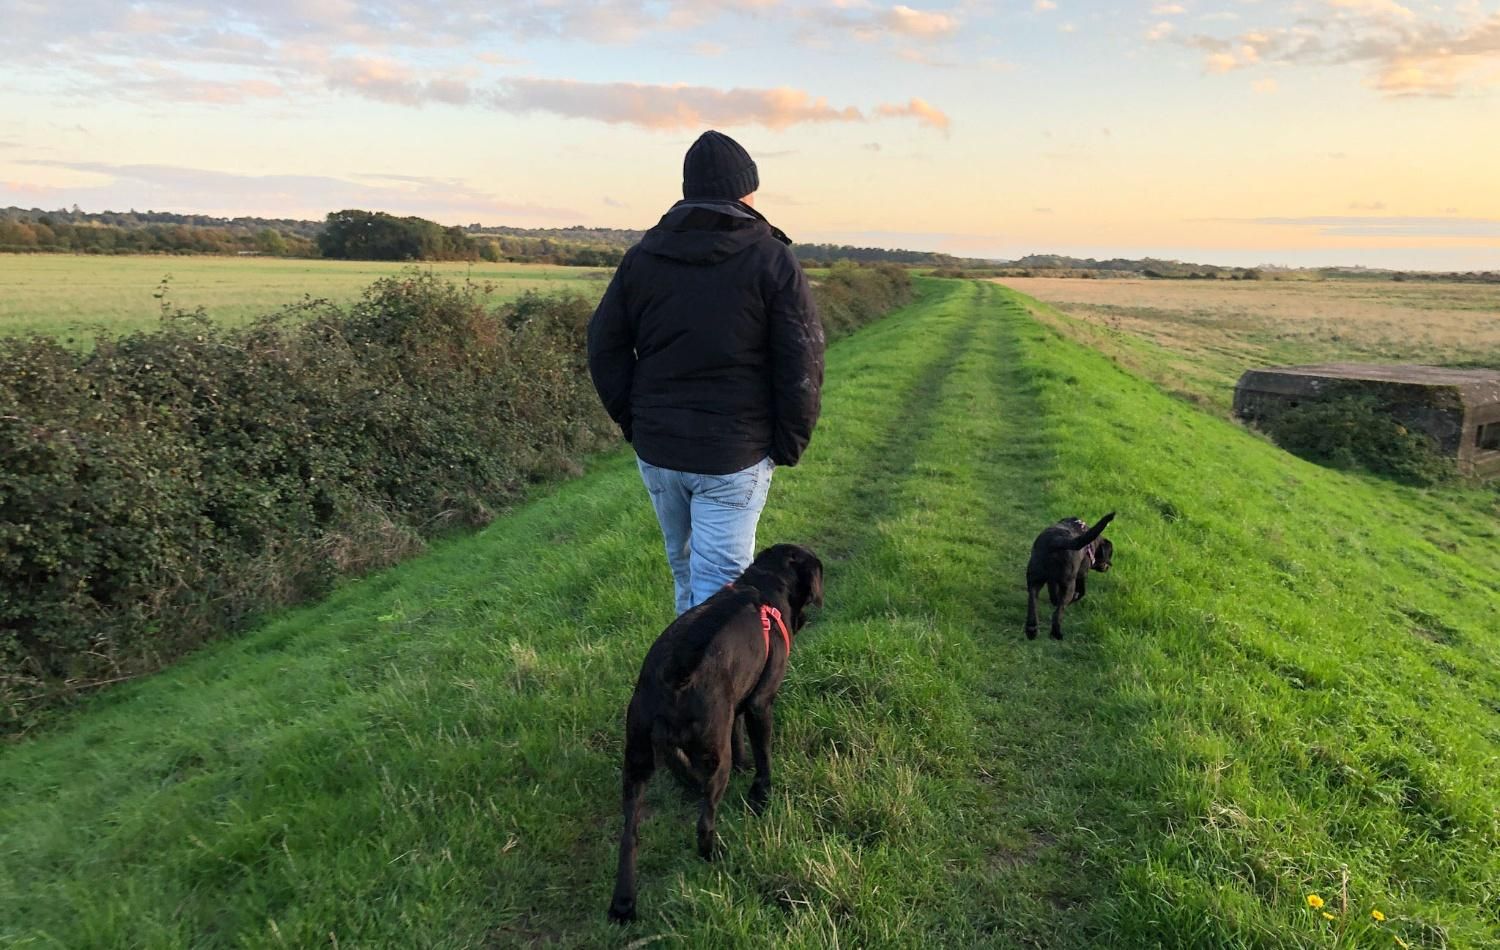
[1061, 558]
[721, 660]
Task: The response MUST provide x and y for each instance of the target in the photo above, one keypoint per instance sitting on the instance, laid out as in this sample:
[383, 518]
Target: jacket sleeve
[796, 340]
[611, 343]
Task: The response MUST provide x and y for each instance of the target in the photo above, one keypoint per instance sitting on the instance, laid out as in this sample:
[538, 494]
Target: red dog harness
[767, 614]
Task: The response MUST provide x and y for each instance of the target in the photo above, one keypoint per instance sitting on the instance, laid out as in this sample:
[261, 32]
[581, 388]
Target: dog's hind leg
[1061, 594]
[714, 764]
[639, 764]
[677, 763]
[1031, 592]
[758, 720]
[737, 744]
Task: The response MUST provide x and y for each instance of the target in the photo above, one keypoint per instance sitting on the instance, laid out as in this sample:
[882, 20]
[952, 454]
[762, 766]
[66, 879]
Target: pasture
[81, 296]
[1288, 686]
[1196, 337]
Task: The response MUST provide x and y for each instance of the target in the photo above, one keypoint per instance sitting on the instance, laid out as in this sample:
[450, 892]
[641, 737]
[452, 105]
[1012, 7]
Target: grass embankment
[1290, 676]
[80, 296]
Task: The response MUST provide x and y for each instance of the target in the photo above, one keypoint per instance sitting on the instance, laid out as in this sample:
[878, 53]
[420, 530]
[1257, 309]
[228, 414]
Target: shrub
[851, 295]
[168, 484]
[1352, 430]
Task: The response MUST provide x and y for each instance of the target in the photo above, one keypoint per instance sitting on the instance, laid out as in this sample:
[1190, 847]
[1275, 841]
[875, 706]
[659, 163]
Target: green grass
[1289, 684]
[80, 296]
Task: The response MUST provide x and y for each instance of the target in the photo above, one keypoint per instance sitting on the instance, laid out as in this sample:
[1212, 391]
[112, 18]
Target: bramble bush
[1349, 429]
[851, 295]
[166, 486]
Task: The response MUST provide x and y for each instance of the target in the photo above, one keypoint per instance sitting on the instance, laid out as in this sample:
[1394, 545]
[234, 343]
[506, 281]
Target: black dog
[1061, 558]
[723, 659]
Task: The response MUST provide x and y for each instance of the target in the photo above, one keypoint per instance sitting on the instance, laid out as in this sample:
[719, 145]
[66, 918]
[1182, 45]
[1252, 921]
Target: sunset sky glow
[1229, 131]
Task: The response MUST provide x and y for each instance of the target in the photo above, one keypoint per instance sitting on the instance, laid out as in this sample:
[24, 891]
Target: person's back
[707, 352]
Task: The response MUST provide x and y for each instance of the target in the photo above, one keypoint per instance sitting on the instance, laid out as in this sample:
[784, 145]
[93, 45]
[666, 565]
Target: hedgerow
[167, 486]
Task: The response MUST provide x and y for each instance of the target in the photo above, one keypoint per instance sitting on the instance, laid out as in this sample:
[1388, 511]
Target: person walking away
[707, 352]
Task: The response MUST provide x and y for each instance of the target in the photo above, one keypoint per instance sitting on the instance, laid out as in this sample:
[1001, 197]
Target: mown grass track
[1280, 681]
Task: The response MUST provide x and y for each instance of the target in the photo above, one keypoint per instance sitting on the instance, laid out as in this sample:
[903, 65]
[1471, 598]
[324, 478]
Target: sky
[1355, 132]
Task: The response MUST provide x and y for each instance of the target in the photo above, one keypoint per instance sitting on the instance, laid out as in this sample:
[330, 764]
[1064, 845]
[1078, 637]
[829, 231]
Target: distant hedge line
[167, 486]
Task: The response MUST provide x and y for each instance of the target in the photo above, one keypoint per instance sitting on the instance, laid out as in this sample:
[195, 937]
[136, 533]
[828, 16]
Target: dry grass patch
[1211, 331]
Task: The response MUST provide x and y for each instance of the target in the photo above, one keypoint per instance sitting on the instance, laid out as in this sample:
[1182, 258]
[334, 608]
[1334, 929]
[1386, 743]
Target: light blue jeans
[708, 523]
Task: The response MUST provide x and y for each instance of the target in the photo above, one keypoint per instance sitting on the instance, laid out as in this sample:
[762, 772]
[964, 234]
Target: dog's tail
[1092, 534]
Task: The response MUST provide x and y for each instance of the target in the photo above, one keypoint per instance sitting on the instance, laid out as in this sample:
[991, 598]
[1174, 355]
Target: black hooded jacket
[706, 349]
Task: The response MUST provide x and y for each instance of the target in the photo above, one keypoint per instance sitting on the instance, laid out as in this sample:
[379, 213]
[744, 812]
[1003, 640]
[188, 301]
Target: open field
[1289, 685]
[1196, 337]
[77, 295]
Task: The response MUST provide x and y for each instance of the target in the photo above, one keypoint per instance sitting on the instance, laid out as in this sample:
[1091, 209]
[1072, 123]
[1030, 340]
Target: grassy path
[1280, 687]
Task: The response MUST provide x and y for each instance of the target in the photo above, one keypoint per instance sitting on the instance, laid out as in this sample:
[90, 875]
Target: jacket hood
[706, 231]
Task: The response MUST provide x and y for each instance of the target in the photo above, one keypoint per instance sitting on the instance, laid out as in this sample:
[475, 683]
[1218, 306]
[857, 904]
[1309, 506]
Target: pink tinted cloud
[903, 19]
[920, 109]
[679, 107]
[668, 107]
[389, 81]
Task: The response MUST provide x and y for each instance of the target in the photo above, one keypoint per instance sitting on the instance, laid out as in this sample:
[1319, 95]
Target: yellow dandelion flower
[1328, 916]
[1314, 901]
[1377, 915]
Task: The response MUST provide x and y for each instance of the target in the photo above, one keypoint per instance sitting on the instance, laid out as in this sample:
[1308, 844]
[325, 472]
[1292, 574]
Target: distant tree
[270, 242]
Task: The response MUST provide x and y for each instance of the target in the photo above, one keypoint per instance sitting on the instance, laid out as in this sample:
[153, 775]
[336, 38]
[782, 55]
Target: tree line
[26, 233]
[356, 234]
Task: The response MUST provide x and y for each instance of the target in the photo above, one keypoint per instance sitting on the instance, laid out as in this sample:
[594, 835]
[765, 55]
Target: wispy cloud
[1379, 9]
[679, 107]
[387, 80]
[1404, 54]
[820, 24]
[393, 52]
[1392, 227]
[903, 19]
[204, 190]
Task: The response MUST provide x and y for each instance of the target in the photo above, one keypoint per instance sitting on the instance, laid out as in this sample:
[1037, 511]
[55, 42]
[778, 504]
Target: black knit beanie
[716, 166]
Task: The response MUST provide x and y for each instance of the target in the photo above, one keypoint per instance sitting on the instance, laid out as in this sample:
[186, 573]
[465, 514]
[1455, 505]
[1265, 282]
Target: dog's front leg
[639, 763]
[1031, 592]
[758, 720]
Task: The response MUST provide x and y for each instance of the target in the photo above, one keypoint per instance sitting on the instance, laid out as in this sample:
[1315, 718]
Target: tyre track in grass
[923, 734]
[875, 424]
[1035, 697]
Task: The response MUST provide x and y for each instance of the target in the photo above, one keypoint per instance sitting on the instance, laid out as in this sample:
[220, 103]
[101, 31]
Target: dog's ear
[1105, 553]
[810, 577]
